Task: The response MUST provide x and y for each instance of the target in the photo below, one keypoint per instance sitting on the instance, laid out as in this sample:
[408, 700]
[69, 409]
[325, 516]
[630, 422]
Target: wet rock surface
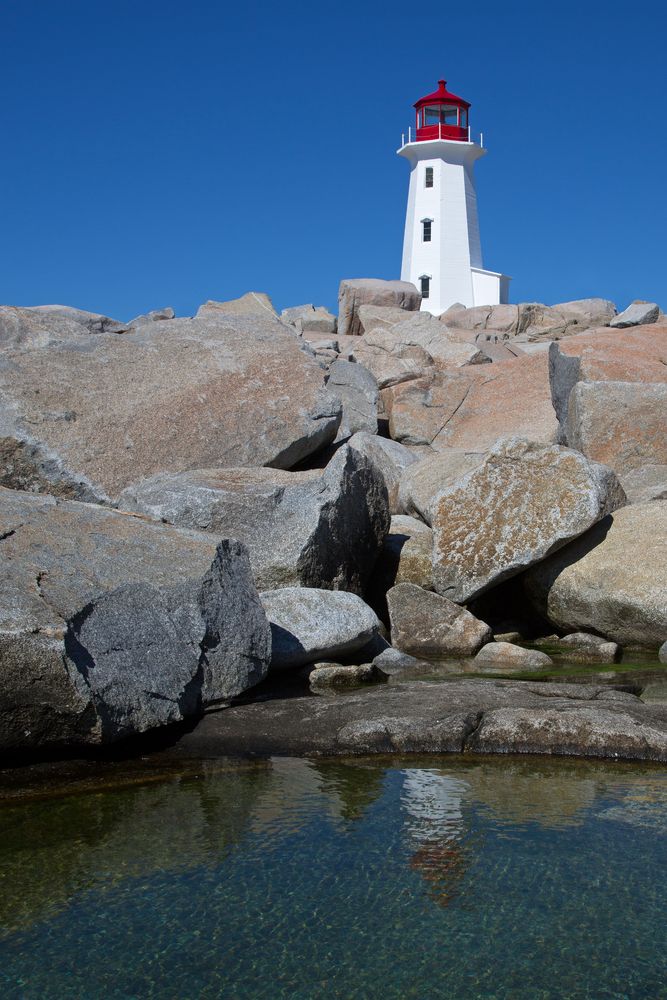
[475, 715]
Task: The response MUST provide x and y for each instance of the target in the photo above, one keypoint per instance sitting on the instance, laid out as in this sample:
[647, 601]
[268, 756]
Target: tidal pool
[389, 878]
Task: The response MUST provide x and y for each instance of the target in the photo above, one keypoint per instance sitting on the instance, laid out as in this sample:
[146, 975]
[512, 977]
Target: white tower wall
[453, 257]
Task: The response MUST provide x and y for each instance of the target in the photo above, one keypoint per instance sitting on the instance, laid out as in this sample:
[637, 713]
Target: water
[426, 878]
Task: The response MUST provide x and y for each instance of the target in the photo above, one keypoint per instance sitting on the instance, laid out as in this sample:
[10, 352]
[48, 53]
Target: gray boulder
[39, 326]
[393, 661]
[426, 624]
[154, 316]
[86, 416]
[310, 319]
[354, 292]
[637, 314]
[612, 580]
[308, 625]
[525, 501]
[662, 653]
[247, 305]
[111, 625]
[506, 656]
[405, 555]
[389, 457]
[301, 528]
[357, 389]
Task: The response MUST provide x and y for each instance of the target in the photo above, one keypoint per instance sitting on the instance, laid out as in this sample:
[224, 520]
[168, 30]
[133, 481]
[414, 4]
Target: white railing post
[409, 133]
[481, 139]
[402, 138]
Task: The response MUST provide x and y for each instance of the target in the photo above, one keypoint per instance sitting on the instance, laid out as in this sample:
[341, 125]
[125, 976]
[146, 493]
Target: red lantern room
[442, 115]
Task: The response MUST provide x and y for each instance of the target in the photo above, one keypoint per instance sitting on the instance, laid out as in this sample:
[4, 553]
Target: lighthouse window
[428, 177]
[426, 230]
[450, 116]
[425, 286]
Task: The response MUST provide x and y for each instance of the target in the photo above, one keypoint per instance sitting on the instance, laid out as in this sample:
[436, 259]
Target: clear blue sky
[165, 153]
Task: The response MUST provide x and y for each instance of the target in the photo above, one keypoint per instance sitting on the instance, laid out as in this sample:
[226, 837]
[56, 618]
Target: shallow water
[427, 878]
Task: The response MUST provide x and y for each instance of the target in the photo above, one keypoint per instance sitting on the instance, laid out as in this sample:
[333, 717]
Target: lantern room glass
[443, 114]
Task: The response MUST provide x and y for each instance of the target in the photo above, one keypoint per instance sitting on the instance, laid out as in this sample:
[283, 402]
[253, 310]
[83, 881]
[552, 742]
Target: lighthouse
[442, 253]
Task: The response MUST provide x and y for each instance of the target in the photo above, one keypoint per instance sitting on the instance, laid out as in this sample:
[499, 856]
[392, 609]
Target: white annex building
[442, 253]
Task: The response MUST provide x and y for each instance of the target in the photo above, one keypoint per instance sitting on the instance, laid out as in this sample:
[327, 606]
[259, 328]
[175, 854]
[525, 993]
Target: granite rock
[307, 529]
[525, 501]
[354, 292]
[308, 625]
[426, 624]
[111, 625]
[612, 580]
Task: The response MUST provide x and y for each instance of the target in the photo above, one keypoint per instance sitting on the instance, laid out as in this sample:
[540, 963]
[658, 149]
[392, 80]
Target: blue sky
[165, 153]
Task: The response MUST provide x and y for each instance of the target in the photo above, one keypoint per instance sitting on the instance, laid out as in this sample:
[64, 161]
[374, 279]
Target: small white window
[425, 282]
[428, 177]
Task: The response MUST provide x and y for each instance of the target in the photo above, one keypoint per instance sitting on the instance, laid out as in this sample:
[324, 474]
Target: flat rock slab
[476, 715]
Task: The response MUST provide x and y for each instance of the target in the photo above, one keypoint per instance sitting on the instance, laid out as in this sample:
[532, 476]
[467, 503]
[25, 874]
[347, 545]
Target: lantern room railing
[441, 134]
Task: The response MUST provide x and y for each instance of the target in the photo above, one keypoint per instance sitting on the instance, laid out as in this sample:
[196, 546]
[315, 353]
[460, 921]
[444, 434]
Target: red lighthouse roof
[441, 95]
[442, 115]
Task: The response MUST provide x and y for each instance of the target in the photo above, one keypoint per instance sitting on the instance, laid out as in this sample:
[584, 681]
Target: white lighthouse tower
[442, 253]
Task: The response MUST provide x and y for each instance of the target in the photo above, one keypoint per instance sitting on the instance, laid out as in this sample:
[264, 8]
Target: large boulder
[533, 320]
[354, 292]
[389, 457]
[422, 482]
[310, 319]
[357, 390]
[474, 407]
[111, 625]
[525, 501]
[419, 342]
[426, 624]
[306, 529]
[308, 625]
[612, 580]
[247, 305]
[86, 416]
[39, 326]
[637, 314]
[609, 391]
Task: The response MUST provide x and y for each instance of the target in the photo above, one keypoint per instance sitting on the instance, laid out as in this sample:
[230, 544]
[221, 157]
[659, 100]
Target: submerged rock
[111, 625]
[523, 502]
[301, 528]
[583, 647]
[309, 625]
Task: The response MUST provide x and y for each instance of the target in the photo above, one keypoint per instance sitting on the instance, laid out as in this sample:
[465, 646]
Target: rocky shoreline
[191, 505]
